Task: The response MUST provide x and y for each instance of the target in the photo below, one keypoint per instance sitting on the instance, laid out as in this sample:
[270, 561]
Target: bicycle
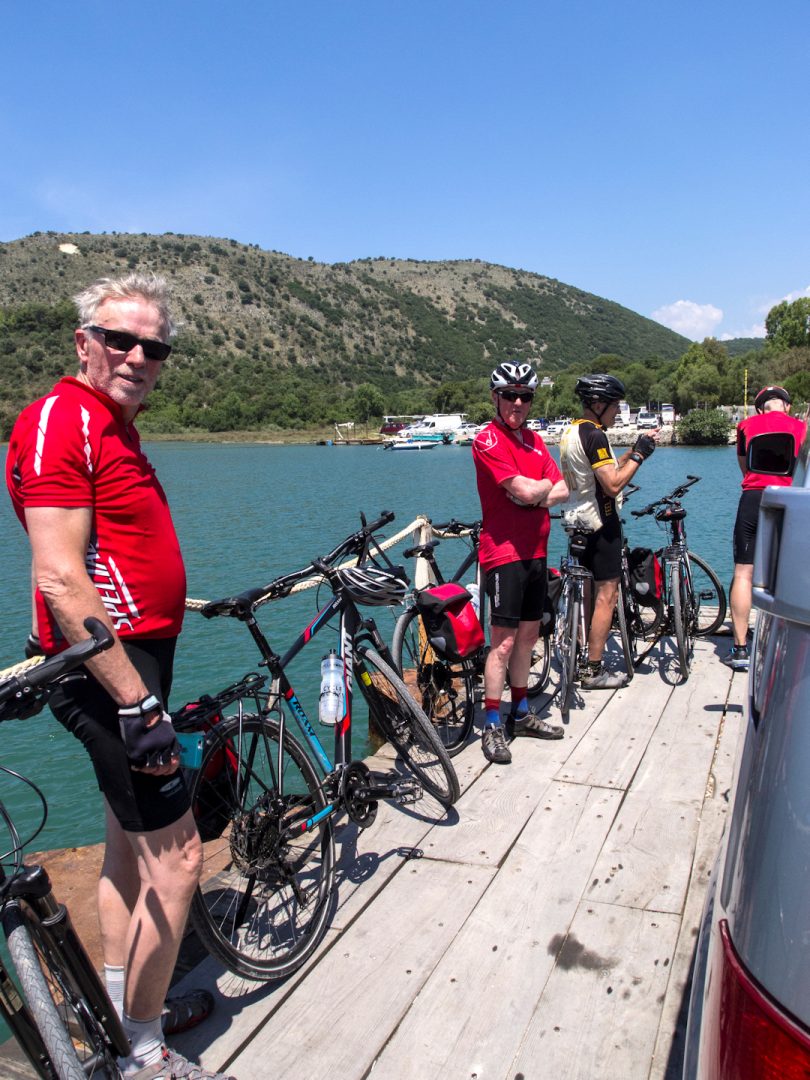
[634, 621]
[66, 1025]
[573, 615]
[264, 907]
[446, 689]
[694, 601]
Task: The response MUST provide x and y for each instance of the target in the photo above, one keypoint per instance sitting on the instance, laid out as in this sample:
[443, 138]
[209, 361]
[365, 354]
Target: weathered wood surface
[548, 926]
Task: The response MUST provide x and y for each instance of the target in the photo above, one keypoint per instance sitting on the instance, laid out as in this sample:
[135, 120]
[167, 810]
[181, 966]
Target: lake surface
[246, 514]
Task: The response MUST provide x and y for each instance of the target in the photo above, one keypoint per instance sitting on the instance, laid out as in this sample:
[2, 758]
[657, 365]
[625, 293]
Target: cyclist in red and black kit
[518, 481]
[772, 416]
[103, 544]
[595, 478]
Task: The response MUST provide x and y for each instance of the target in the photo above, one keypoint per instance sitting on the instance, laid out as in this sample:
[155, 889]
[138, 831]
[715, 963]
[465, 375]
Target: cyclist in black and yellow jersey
[595, 478]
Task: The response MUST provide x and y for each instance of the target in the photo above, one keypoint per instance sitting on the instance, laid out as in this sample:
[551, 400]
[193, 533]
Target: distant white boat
[409, 444]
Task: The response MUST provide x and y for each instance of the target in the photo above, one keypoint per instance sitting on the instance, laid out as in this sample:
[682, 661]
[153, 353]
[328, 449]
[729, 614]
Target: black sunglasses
[523, 396]
[121, 341]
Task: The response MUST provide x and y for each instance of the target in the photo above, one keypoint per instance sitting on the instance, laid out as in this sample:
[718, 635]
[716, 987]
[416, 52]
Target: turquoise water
[246, 514]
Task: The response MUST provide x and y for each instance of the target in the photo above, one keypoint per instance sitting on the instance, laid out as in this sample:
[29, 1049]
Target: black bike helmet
[767, 393]
[599, 388]
[513, 376]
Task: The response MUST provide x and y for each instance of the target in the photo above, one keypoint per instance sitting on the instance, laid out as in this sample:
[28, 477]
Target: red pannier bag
[452, 625]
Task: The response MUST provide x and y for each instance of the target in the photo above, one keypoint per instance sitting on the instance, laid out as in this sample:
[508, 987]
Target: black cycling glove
[148, 746]
[644, 445]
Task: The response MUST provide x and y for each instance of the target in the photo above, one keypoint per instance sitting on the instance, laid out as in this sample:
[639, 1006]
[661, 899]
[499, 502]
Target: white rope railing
[420, 527]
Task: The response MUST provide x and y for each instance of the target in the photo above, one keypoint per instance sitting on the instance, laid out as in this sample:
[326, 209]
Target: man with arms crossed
[595, 478]
[103, 544]
[518, 481]
[772, 417]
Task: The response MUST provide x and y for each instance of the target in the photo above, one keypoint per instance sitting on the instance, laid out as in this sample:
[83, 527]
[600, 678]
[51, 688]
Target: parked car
[749, 1013]
[646, 419]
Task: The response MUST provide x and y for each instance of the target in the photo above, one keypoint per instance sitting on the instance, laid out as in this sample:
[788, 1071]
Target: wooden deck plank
[647, 859]
[354, 999]
[667, 1063]
[469, 1016]
[599, 1010]
[618, 738]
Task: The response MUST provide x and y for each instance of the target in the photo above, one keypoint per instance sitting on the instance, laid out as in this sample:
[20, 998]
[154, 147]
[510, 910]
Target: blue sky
[655, 153]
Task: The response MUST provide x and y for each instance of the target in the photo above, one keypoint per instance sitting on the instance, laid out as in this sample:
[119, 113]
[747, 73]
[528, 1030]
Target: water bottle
[475, 598]
[330, 705]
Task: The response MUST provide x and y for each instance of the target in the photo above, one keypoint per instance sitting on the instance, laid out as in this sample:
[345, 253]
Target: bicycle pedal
[407, 792]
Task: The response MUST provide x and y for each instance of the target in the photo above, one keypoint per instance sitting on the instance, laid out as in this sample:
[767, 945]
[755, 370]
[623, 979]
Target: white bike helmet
[513, 376]
[375, 586]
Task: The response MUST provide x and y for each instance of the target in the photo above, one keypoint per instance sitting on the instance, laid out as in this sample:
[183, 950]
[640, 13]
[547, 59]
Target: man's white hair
[148, 287]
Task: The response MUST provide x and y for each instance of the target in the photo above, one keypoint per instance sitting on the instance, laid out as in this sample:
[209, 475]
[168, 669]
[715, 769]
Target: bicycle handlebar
[358, 543]
[667, 500]
[25, 694]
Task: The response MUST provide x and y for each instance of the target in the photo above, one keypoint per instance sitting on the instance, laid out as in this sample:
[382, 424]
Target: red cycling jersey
[766, 423]
[74, 449]
[511, 532]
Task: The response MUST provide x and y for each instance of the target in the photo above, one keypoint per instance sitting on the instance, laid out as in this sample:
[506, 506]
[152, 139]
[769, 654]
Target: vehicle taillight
[753, 1038]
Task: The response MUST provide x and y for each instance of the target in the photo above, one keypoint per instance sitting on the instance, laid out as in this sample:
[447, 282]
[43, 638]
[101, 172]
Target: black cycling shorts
[140, 802]
[745, 527]
[517, 592]
[603, 551]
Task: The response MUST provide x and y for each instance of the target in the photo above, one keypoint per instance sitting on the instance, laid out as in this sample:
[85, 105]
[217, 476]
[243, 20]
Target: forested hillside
[270, 341]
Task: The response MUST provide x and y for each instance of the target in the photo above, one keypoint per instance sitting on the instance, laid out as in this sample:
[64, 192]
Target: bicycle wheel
[444, 690]
[681, 617]
[405, 726]
[75, 1039]
[540, 669]
[263, 901]
[567, 644]
[625, 621]
[710, 597]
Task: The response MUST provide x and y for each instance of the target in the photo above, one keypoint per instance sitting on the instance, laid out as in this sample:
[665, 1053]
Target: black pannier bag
[452, 625]
[646, 577]
[553, 593]
[215, 795]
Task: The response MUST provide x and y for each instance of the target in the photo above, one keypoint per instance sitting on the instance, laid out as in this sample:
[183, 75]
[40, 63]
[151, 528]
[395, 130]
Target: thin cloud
[695, 321]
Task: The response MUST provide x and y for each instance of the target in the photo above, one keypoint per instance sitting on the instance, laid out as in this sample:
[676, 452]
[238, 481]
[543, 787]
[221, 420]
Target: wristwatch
[639, 460]
[146, 705]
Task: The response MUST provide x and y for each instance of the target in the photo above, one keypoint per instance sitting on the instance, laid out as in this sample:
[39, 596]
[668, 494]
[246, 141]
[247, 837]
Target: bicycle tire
[624, 618]
[540, 669]
[680, 617]
[263, 904]
[708, 591]
[405, 726]
[75, 1040]
[444, 690]
[566, 646]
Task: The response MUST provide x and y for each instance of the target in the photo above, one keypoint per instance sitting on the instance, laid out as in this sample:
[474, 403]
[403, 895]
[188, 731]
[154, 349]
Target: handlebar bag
[215, 794]
[452, 625]
[646, 576]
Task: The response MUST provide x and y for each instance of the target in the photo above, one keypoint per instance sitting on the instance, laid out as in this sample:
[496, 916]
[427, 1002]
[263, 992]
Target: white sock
[146, 1043]
[114, 980]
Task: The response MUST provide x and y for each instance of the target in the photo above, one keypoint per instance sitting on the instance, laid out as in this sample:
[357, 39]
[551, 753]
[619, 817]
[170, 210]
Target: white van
[667, 413]
[623, 415]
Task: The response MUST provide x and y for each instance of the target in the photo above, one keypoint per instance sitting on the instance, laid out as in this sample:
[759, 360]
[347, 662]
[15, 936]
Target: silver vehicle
[646, 420]
[749, 1013]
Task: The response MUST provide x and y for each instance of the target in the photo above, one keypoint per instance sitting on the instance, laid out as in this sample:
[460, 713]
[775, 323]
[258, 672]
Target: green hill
[269, 339]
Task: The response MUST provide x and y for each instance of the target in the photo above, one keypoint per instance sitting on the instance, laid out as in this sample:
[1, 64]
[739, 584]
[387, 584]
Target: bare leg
[502, 642]
[521, 659]
[607, 593]
[741, 596]
[167, 865]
